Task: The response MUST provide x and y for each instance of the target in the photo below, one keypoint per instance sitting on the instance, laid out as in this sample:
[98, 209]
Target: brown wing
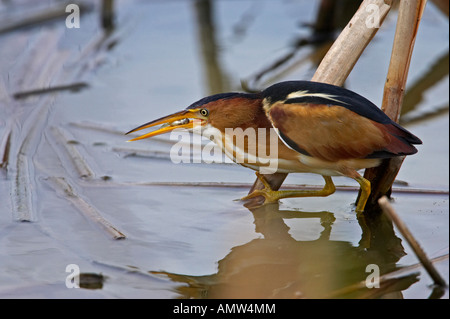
[328, 132]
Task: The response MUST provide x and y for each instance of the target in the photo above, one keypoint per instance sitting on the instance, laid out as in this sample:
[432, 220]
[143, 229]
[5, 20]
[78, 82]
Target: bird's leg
[272, 196]
[365, 192]
[365, 188]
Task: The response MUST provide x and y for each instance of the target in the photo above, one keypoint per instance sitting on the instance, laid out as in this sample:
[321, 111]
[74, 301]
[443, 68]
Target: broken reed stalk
[21, 194]
[410, 13]
[60, 184]
[339, 61]
[79, 163]
[427, 264]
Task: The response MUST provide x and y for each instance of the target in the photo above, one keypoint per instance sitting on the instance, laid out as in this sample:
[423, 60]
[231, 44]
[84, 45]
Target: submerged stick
[130, 152]
[5, 146]
[74, 87]
[427, 264]
[81, 166]
[344, 188]
[56, 11]
[60, 185]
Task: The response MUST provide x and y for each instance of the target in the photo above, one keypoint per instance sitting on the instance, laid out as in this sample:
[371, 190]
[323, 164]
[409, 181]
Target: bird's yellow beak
[183, 119]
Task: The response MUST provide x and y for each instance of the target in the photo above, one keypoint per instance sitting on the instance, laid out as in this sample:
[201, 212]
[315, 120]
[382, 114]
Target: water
[192, 241]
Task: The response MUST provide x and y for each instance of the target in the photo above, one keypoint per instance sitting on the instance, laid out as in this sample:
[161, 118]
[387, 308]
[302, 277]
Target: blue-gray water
[186, 241]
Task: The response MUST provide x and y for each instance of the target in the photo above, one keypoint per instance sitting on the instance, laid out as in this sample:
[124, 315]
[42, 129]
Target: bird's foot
[267, 192]
[272, 196]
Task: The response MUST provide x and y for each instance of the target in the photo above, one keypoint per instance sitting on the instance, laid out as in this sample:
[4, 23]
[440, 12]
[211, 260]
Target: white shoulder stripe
[300, 94]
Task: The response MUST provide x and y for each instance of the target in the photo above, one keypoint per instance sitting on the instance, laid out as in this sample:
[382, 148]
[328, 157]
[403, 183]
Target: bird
[318, 127]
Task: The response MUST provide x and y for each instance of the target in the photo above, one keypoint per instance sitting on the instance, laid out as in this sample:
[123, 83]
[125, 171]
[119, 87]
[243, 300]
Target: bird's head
[225, 110]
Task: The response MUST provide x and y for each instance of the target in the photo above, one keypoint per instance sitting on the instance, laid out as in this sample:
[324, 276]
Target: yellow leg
[272, 196]
[365, 192]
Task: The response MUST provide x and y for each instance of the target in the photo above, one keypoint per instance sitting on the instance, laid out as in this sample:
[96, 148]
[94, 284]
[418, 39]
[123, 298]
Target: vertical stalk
[410, 13]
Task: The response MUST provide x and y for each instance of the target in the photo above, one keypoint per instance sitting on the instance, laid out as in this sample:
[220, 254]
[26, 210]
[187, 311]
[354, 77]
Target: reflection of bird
[314, 267]
[321, 128]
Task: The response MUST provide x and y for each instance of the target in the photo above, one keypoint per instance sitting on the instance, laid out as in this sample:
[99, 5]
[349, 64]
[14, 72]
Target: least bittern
[321, 128]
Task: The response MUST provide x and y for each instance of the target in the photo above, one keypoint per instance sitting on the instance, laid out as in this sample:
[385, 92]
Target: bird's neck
[241, 113]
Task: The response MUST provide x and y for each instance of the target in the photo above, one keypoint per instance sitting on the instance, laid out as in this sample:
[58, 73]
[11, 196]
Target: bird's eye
[204, 112]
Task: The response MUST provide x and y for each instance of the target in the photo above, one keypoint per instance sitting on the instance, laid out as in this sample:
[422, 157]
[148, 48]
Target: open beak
[183, 119]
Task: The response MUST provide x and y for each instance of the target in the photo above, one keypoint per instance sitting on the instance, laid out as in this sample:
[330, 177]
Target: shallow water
[69, 162]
